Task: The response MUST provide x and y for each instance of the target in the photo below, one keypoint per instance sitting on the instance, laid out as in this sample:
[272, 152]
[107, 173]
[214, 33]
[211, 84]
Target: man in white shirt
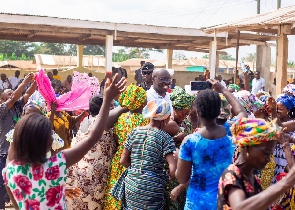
[221, 81]
[15, 80]
[258, 83]
[4, 82]
[161, 83]
[272, 89]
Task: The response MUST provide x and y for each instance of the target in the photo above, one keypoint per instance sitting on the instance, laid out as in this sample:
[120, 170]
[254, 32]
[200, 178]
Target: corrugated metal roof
[284, 15]
[18, 64]
[135, 62]
[63, 60]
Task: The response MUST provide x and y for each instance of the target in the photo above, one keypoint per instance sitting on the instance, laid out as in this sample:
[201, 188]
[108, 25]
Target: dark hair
[31, 138]
[55, 82]
[208, 104]
[95, 103]
[148, 66]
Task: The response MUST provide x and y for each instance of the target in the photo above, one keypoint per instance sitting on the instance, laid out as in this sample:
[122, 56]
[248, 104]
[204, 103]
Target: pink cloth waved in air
[77, 98]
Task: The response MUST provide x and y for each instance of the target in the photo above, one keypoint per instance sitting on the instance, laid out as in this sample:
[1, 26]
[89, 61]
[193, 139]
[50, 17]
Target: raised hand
[271, 102]
[216, 85]
[112, 89]
[29, 78]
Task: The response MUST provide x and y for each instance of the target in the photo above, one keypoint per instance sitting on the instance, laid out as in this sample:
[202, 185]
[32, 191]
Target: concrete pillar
[263, 63]
[109, 53]
[169, 59]
[80, 58]
[217, 64]
[282, 59]
[212, 58]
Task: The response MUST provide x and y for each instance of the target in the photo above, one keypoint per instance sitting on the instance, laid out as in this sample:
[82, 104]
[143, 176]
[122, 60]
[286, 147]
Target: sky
[176, 13]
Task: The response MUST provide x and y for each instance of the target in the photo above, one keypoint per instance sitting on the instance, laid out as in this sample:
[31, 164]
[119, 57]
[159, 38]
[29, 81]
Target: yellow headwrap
[133, 97]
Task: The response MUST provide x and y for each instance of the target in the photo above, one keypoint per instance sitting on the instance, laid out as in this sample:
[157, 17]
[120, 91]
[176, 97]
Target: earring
[247, 154]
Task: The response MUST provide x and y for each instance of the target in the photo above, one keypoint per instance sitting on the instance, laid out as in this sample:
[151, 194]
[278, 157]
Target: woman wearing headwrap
[134, 99]
[142, 184]
[249, 101]
[285, 112]
[239, 187]
[233, 88]
[181, 103]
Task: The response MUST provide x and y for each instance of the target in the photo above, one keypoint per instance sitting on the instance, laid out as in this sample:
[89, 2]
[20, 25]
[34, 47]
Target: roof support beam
[109, 52]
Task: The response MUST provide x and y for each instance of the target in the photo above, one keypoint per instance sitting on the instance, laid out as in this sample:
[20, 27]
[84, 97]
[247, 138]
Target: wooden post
[80, 57]
[237, 56]
[282, 58]
[169, 59]
[109, 53]
[212, 58]
[263, 63]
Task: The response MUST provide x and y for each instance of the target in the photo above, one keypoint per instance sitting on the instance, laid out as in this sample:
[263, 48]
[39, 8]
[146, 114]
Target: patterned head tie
[289, 89]
[40, 105]
[287, 100]
[249, 101]
[235, 87]
[133, 97]
[251, 132]
[181, 99]
[158, 109]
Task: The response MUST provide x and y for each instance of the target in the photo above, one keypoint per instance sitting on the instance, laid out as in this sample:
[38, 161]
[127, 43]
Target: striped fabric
[146, 179]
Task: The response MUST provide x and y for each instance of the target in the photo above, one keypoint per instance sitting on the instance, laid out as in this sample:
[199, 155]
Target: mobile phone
[200, 85]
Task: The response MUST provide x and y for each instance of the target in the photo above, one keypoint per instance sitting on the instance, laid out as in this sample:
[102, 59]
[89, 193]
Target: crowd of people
[149, 145]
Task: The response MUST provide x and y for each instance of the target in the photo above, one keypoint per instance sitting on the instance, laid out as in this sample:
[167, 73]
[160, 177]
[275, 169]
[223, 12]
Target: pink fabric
[82, 79]
[83, 87]
[45, 88]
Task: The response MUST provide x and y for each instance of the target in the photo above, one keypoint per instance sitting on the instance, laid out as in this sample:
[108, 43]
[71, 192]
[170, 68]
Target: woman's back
[148, 147]
[209, 159]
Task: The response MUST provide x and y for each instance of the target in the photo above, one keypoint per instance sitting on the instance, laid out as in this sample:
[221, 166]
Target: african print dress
[146, 178]
[91, 172]
[125, 124]
[233, 177]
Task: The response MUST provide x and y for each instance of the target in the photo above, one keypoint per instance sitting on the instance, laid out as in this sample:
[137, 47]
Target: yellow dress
[125, 124]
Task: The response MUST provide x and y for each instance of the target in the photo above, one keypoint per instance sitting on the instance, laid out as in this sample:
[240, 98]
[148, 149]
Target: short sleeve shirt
[8, 119]
[38, 186]
[257, 85]
[3, 85]
[231, 177]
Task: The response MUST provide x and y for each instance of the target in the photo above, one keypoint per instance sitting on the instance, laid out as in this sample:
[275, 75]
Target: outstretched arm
[112, 90]
[18, 92]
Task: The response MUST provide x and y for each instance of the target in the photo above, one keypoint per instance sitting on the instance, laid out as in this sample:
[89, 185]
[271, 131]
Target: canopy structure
[276, 25]
[84, 32]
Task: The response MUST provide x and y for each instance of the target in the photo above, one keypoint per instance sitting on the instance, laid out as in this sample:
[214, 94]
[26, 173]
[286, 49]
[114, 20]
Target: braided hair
[208, 104]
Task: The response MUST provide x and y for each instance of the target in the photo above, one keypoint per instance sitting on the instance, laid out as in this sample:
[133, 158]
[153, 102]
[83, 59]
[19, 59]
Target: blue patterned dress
[209, 159]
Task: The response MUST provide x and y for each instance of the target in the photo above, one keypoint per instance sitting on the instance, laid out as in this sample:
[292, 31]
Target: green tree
[133, 52]
[226, 57]
[179, 56]
[291, 64]
[206, 56]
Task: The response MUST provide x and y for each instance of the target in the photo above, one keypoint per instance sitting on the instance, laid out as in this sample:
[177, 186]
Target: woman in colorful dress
[239, 186]
[285, 112]
[37, 182]
[134, 99]
[95, 163]
[181, 103]
[144, 154]
[205, 154]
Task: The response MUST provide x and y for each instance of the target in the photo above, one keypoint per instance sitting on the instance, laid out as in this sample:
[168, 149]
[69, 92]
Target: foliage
[133, 52]
[179, 56]
[222, 57]
[251, 57]
[291, 64]
[226, 57]
[14, 50]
